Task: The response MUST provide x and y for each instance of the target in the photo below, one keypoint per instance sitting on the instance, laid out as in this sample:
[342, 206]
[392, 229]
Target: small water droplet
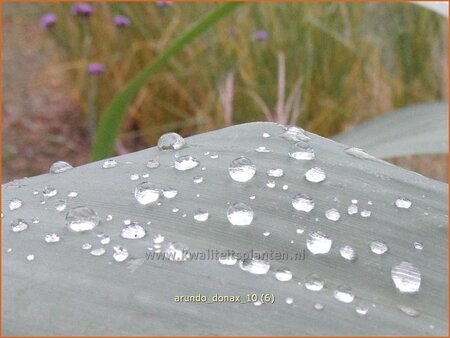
[198, 179]
[229, 259]
[406, 277]
[9, 250]
[133, 231]
[266, 135]
[314, 283]
[53, 238]
[418, 246]
[108, 164]
[359, 153]
[408, 311]
[403, 203]
[344, 294]
[134, 177]
[252, 197]
[270, 184]
[318, 307]
[15, 203]
[300, 231]
[240, 214]
[214, 156]
[18, 225]
[266, 233]
[175, 210]
[348, 253]
[98, 252]
[201, 215]
[72, 194]
[60, 205]
[49, 191]
[303, 202]
[82, 219]
[352, 209]
[146, 193]
[262, 149]
[302, 151]
[315, 175]
[86, 246]
[153, 164]
[289, 300]
[186, 162]
[176, 251]
[171, 141]
[285, 187]
[127, 221]
[362, 309]
[255, 266]
[355, 201]
[366, 213]
[318, 243]
[283, 275]
[59, 167]
[158, 239]
[332, 214]
[257, 303]
[275, 172]
[105, 240]
[169, 192]
[378, 247]
[30, 258]
[241, 169]
[120, 254]
[109, 217]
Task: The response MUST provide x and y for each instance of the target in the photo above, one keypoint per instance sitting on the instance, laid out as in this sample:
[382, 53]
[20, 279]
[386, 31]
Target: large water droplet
[186, 162]
[133, 231]
[53, 238]
[240, 214]
[332, 214]
[301, 151]
[406, 277]
[18, 225]
[344, 294]
[295, 134]
[201, 215]
[146, 193]
[176, 251]
[283, 275]
[314, 283]
[120, 254]
[315, 175]
[241, 169]
[348, 253]
[378, 247]
[318, 243]
[82, 219]
[403, 203]
[59, 167]
[171, 141]
[303, 202]
[108, 164]
[49, 191]
[14, 204]
[255, 266]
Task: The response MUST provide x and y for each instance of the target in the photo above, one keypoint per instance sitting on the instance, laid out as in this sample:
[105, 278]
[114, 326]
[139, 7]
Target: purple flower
[48, 20]
[82, 9]
[163, 4]
[121, 21]
[261, 35]
[96, 68]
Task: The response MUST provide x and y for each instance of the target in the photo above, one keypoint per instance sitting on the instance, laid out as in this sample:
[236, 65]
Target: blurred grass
[356, 60]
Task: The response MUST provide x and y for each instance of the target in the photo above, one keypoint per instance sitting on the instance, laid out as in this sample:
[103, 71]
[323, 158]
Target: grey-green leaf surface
[420, 129]
[67, 291]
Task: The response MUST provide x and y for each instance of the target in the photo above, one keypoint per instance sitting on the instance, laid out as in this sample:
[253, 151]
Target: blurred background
[332, 65]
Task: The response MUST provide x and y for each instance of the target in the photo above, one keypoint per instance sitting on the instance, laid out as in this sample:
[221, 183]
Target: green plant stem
[112, 118]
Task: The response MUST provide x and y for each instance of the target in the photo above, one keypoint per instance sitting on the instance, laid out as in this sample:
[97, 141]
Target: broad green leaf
[111, 119]
[67, 291]
[420, 129]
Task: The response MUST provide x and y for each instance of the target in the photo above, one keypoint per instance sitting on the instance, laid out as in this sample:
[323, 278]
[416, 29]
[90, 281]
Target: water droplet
[318, 307]
[266, 135]
[241, 169]
[133, 231]
[314, 283]
[352, 209]
[30, 258]
[59, 167]
[198, 179]
[120, 254]
[332, 214]
[109, 217]
[303, 202]
[406, 277]
[283, 275]
[344, 294]
[171, 141]
[158, 239]
[14, 204]
[105, 240]
[108, 164]
[285, 187]
[262, 149]
[134, 177]
[98, 252]
[318, 243]
[49, 191]
[355, 201]
[214, 156]
[295, 134]
[418, 246]
[175, 210]
[127, 221]
[315, 175]
[186, 162]
[403, 203]
[86, 246]
[378, 247]
[289, 300]
[152, 164]
[408, 311]
[53, 238]
[300, 231]
[301, 151]
[270, 184]
[72, 194]
[255, 266]
[348, 253]
[176, 251]
[359, 153]
[146, 193]
[169, 192]
[201, 215]
[257, 303]
[227, 259]
[266, 233]
[275, 172]
[9, 250]
[362, 309]
[240, 214]
[366, 213]
[19, 225]
[82, 219]
[252, 197]
[60, 205]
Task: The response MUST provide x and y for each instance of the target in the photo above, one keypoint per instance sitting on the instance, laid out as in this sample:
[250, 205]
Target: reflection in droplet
[169, 192]
[318, 243]
[98, 252]
[172, 141]
[82, 219]
[348, 253]
[301, 151]
[241, 169]
[146, 193]
[59, 167]
[49, 191]
[176, 251]
[275, 172]
[240, 214]
[120, 254]
[228, 259]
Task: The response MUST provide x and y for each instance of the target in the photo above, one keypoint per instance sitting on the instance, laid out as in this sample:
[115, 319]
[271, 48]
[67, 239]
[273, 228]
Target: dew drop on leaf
[240, 214]
[186, 162]
[146, 193]
[133, 231]
[254, 266]
[283, 274]
[241, 169]
[108, 164]
[303, 202]
[18, 225]
[315, 175]
[406, 277]
[378, 247]
[344, 294]
[301, 151]
[59, 167]
[318, 243]
[81, 219]
[171, 141]
[14, 204]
